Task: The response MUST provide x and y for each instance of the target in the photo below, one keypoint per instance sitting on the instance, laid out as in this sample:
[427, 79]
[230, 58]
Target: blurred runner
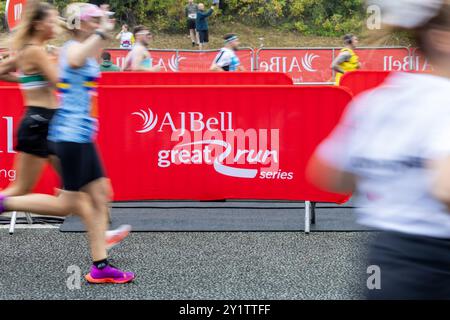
[393, 149]
[139, 59]
[347, 60]
[227, 60]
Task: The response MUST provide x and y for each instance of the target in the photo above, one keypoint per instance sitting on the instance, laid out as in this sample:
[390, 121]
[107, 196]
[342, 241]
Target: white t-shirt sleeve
[223, 59]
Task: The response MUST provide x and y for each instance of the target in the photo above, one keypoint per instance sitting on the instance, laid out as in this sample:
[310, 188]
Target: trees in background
[309, 17]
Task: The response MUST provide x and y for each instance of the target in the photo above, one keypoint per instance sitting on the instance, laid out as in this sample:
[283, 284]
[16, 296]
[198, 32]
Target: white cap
[408, 13]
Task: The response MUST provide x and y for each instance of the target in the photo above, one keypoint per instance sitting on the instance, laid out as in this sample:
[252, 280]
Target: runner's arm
[343, 57]
[7, 67]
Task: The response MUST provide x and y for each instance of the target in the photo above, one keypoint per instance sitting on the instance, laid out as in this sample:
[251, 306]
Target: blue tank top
[76, 119]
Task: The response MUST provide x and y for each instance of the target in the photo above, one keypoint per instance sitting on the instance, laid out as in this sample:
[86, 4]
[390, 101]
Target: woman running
[86, 189]
[393, 148]
[38, 77]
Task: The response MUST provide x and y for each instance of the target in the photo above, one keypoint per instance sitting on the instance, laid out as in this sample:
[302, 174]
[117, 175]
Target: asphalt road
[34, 264]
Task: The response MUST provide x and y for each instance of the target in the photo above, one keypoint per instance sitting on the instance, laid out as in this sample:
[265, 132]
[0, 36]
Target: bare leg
[99, 192]
[78, 203]
[29, 169]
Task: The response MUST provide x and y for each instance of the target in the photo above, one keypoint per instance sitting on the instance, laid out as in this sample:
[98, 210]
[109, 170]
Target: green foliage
[2, 14]
[308, 17]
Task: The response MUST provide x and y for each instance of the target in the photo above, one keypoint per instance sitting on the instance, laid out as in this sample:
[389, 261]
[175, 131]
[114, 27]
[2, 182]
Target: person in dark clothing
[202, 24]
[107, 65]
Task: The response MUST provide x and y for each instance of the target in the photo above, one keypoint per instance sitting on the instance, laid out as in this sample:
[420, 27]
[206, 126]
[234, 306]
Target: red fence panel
[202, 143]
[313, 65]
[303, 65]
[216, 142]
[184, 60]
[195, 78]
[167, 59]
[384, 59]
[359, 81]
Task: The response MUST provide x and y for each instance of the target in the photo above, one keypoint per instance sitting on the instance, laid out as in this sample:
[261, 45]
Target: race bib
[192, 16]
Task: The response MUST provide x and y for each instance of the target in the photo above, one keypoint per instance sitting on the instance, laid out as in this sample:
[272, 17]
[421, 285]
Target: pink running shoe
[109, 274]
[114, 237]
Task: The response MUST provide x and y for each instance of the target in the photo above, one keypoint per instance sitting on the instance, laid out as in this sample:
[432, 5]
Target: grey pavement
[177, 265]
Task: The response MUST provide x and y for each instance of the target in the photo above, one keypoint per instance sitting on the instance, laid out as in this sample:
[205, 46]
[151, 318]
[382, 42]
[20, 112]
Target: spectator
[126, 38]
[202, 24]
[139, 59]
[227, 60]
[106, 64]
[347, 59]
[191, 16]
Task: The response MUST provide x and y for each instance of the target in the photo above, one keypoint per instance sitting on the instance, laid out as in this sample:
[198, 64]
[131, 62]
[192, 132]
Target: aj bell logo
[174, 62]
[286, 64]
[191, 121]
[150, 120]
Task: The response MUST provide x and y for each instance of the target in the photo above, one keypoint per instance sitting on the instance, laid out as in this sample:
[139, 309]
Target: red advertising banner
[384, 59]
[10, 116]
[419, 62]
[166, 59]
[314, 65]
[359, 81]
[179, 60]
[303, 65]
[202, 143]
[195, 78]
[13, 12]
[206, 143]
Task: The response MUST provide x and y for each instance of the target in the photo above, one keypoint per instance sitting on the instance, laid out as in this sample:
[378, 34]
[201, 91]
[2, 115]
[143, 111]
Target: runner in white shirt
[393, 149]
[126, 38]
[227, 60]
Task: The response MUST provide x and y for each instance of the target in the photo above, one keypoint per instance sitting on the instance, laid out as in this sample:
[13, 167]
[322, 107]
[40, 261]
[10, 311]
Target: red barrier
[241, 142]
[183, 60]
[359, 81]
[167, 59]
[265, 136]
[314, 65]
[303, 65]
[10, 115]
[194, 78]
[384, 59]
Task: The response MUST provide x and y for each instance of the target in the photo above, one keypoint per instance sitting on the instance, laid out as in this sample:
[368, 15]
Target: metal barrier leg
[12, 224]
[307, 217]
[29, 218]
[313, 212]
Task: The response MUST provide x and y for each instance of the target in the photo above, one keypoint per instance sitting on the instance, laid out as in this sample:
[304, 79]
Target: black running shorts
[80, 164]
[33, 131]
